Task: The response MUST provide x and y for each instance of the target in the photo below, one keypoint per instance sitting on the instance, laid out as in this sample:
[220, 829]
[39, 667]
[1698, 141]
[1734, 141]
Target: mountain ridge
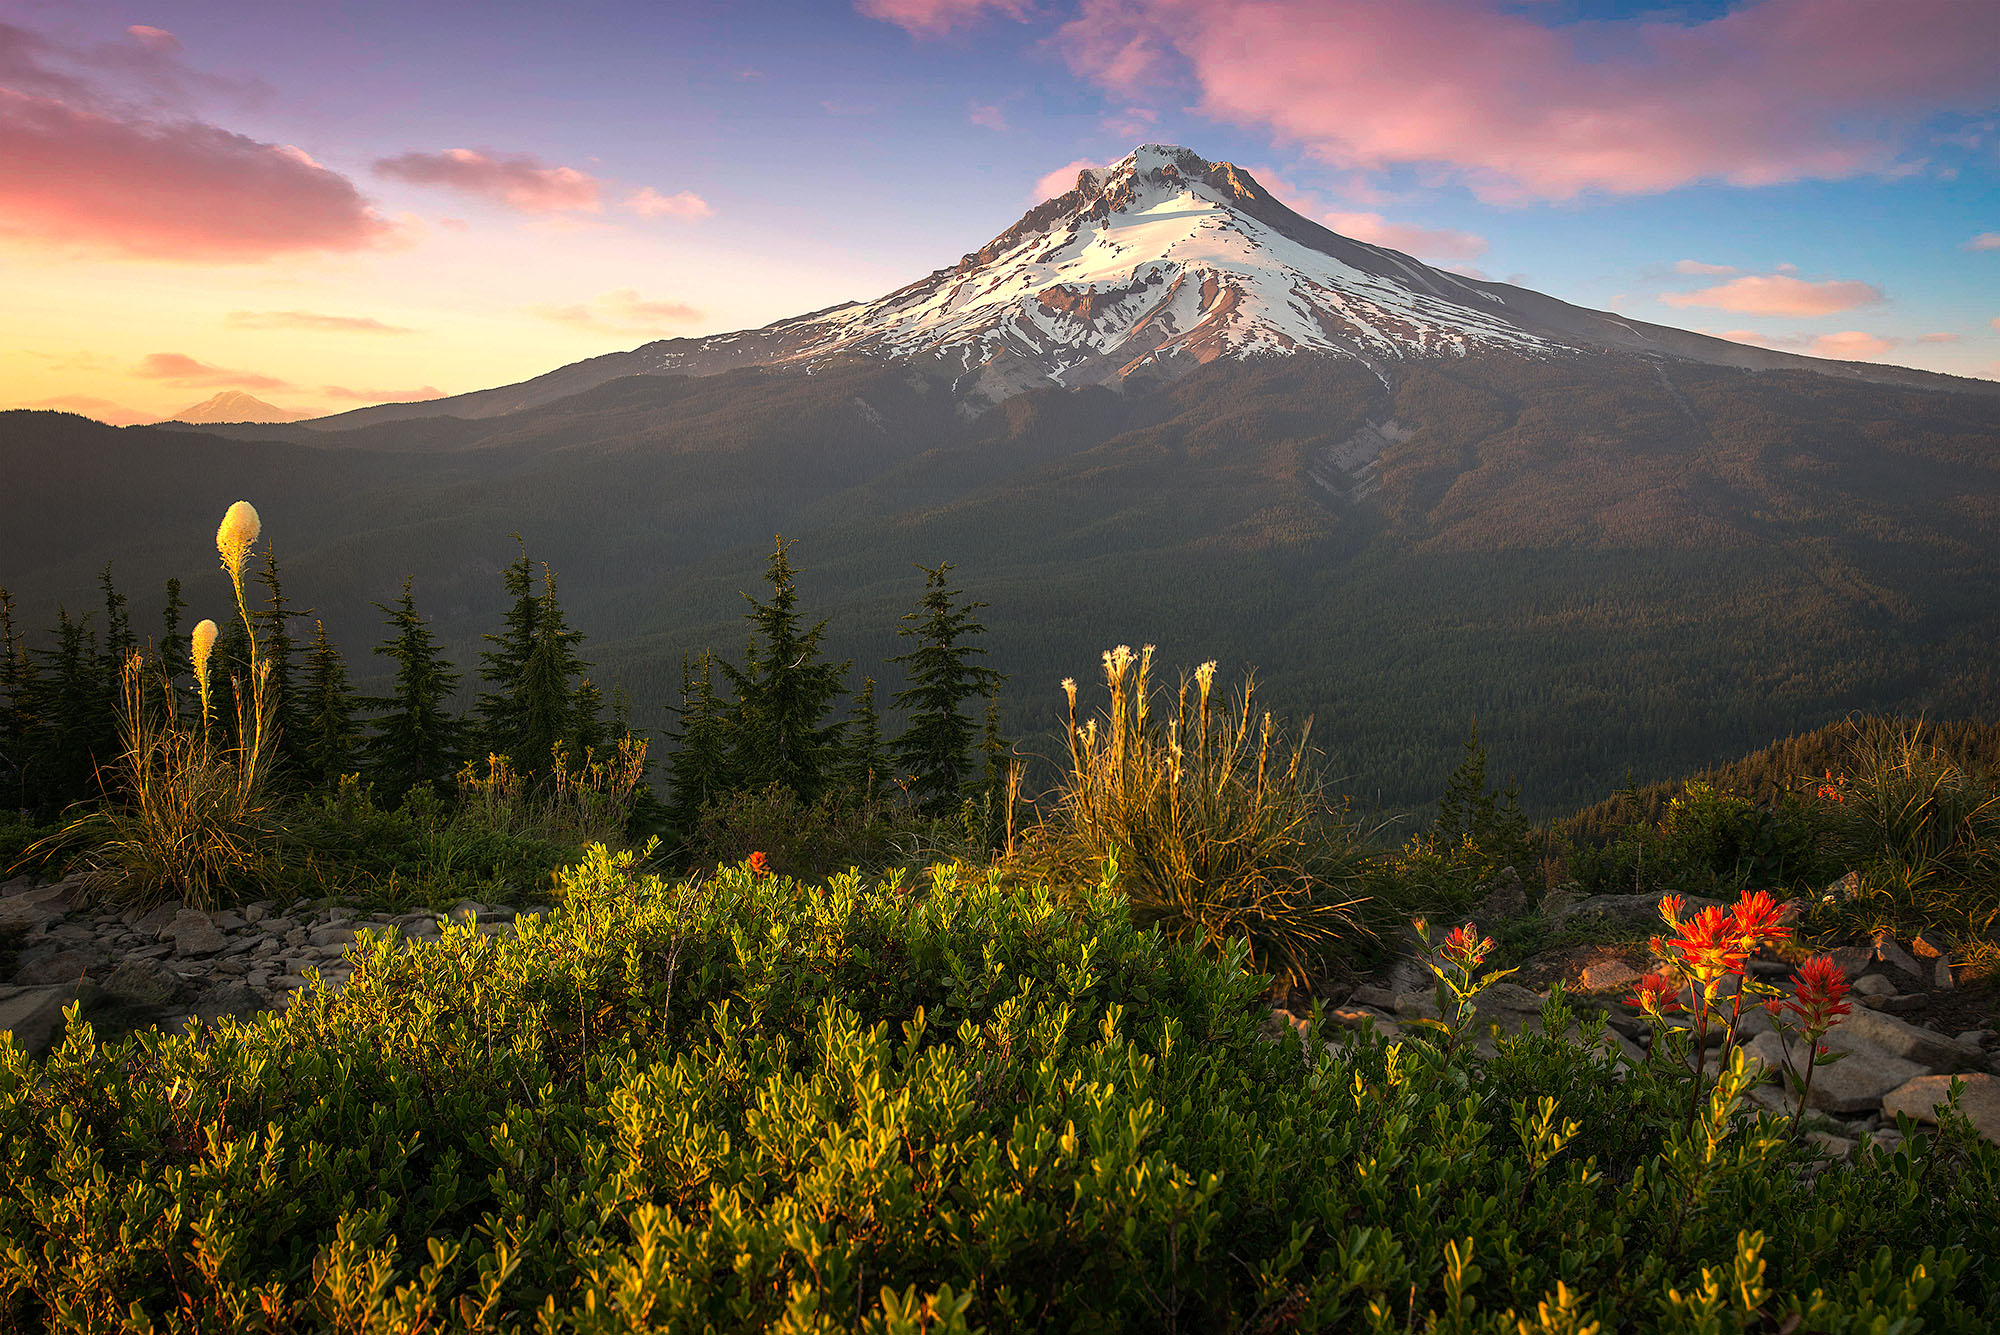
[1163, 261]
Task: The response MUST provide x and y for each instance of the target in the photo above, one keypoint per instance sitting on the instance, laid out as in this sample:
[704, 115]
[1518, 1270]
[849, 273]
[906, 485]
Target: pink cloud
[153, 39]
[622, 311]
[987, 115]
[1062, 180]
[343, 393]
[1937, 338]
[650, 203]
[516, 180]
[1780, 294]
[930, 18]
[104, 410]
[313, 320]
[1429, 242]
[177, 368]
[79, 179]
[1706, 270]
[1984, 241]
[1850, 346]
[1772, 91]
[1131, 122]
[1996, 323]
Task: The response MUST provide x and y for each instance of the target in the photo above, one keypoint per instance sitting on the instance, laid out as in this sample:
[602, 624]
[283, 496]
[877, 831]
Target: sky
[330, 205]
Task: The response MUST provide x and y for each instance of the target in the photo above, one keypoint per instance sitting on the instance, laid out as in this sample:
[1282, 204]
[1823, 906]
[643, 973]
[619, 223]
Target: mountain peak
[233, 405]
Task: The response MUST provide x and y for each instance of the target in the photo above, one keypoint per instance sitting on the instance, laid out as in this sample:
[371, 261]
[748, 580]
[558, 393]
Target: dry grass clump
[1213, 818]
[184, 815]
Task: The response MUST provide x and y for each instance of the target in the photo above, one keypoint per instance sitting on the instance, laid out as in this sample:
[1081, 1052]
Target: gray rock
[156, 920]
[1921, 1097]
[1624, 908]
[231, 998]
[1853, 960]
[1893, 955]
[1854, 1084]
[34, 1016]
[228, 920]
[1902, 1005]
[157, 950]
[297, 937]
[1847, 887]
[1875, 985]
[1834, 1147]
[466, 910]
[1976, 1038]
[1608, 976]
[1941, 978]
[1926, 1047]
[277, 926]
[1928, 946]
[256, 913]
[194, 934]
[64, 966]
[145, 983]
[338, 937]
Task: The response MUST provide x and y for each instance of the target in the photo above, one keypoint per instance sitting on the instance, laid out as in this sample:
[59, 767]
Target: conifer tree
[73, 724]
[329, 738]
[698, 770]
[866, 771]
[16, 676]
[784, 692]
[587, 719]
[277, 647]
[936, 748]
[416, 740]
[545, 709]
[498, 708]
[174, 663]
[118, 638]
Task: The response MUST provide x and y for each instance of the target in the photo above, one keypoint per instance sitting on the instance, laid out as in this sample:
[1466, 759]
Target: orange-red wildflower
[1465, 947]
[1820, 995]
[759, 864]
[1759, 920]
[1656, 995]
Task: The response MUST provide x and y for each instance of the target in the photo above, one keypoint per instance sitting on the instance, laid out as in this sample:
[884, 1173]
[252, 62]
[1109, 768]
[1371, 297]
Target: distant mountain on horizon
[1141, 271]
[233, 405]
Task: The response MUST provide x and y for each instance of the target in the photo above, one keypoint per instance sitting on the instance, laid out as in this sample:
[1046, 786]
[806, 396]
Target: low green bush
[743, 1103]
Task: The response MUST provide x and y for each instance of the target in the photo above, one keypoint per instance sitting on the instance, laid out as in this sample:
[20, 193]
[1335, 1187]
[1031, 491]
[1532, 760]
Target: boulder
[230, 998]
[339, 937]
[145, 983]
[1632, 908]
[1854, 1084]
[1875, 985]
[64, 966]
[1926, 1047]
[34, 1016]
[1608, 976]
[1921, 1097]
[194, 934]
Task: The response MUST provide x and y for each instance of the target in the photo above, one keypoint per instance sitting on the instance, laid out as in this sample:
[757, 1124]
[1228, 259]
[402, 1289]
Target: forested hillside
[1617, 566]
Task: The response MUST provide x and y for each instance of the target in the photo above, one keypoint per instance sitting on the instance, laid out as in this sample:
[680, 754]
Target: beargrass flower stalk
[203, 644]
[234, 538]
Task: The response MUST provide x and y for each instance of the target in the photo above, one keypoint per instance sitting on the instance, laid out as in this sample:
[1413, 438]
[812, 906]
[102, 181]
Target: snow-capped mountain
[1161, 262]
[233, 405]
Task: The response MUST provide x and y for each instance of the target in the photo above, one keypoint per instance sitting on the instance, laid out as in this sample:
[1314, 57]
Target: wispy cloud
[1706, 270]
[130, 172]
[1780, 294]
[313, 320]
[347, 395]
[988, 115]
[929, 18]
[85, 405]
[650, 203]
[177, 368]
[622, 311]
[1764, 93]
[518, 180]
[1062, 180]
[1427, 242]
[1984, 241]
[1851, 346]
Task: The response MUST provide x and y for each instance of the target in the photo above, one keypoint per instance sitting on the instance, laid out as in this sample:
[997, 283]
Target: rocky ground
[163, 965]
[1919, 1020]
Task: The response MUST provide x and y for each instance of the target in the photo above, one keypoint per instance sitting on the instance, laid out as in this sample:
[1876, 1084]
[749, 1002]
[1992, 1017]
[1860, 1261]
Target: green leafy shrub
[1213, 818]
[837, 831]
[747, 1104]
[1711, 843]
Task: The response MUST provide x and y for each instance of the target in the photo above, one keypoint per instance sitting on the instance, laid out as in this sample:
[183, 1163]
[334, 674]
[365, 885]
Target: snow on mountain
[1162, 257]
[233, 405]
[1161, 262]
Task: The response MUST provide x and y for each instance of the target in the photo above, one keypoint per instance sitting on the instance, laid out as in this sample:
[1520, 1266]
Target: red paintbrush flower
[1710, 948]
[1656, 995]
[1759, 920]
[759, 864]
[1820, 991]
[1465, 947]
[1670, 911]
